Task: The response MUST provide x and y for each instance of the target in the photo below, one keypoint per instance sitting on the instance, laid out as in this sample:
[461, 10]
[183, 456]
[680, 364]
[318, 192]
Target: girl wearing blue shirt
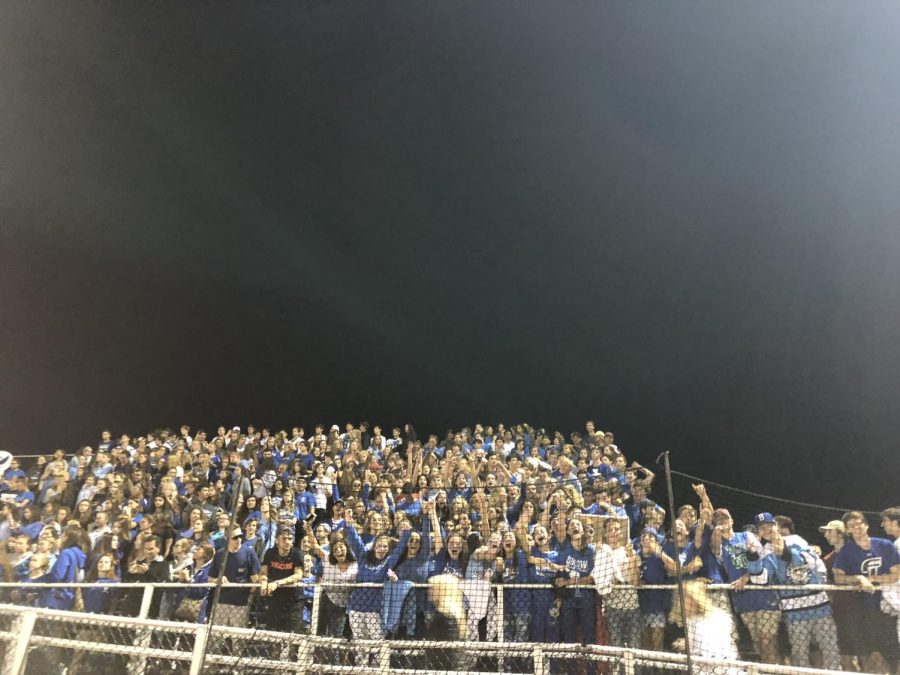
[375, 566]
[578, 608]
[544, 568]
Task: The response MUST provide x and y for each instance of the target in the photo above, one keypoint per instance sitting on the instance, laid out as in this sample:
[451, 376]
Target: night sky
[681, 219]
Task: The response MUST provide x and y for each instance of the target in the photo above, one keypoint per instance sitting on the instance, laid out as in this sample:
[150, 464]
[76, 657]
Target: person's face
[322, 534]
[891, 527]
[647, 541]
[151, 550]
[20, 545]
[222, 521]
[494, 542]
[576, 529]
[454, 545]
[250, 528]
[613, 531]
[509, 541]
[689, 517]
[340, 550]
[723, 521]
[381, 548]
[833, 537]
[414, 543]
[680, 527]
[286, 539]
[857, 528]
[767, 531]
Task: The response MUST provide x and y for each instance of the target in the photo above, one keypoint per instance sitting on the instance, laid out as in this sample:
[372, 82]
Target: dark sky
[679, 218]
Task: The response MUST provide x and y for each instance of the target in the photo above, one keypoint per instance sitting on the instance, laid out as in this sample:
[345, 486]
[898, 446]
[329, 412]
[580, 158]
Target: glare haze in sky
[679, 219]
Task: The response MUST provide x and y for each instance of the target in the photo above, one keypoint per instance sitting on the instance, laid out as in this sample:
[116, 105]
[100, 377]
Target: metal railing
[82, 638]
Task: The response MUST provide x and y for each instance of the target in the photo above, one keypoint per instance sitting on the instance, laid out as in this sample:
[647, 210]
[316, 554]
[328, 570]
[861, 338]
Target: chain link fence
[446, 625]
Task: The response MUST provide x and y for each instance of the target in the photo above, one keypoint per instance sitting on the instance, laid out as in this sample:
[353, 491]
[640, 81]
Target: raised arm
[316, 549]
[425, 546]
[399, 549]
[705, 503]
[355, 542]
[435, 528]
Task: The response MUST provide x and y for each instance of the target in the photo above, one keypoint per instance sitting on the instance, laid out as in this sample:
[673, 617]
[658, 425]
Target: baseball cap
[650, 530]
[833, 525]
[764, 518]
[335, 427]
[721, 513]
[236, 532]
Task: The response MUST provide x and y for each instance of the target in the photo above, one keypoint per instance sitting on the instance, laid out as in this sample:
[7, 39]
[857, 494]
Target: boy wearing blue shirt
[869, 562]
[758, 610]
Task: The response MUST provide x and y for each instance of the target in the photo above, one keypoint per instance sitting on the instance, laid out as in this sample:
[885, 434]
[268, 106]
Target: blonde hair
[696, 601]
[445, 592]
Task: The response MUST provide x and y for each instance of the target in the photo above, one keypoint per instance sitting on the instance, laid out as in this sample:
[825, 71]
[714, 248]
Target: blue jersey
[579, 565]
[797, 567]
[735, 559]
[878, 559]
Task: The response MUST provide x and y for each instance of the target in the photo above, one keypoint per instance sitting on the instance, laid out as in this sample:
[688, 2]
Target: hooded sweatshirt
[67, 568]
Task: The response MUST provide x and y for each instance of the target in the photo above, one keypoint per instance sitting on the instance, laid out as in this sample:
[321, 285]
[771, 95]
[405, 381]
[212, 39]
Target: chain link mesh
[465, 627]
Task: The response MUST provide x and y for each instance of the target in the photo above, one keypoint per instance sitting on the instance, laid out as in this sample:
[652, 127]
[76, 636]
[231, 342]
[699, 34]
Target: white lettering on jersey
[870, 566]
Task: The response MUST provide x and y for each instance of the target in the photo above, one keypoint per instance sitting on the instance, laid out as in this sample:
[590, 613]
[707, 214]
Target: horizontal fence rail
[31, 636]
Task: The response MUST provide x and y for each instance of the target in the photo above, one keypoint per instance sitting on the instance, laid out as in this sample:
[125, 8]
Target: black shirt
[281, 567]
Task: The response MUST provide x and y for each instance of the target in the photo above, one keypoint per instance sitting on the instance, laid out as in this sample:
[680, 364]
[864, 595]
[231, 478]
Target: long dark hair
[72, 536]
[339, 538]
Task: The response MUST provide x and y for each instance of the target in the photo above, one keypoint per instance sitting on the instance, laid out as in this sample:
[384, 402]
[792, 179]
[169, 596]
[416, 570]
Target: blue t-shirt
[880, 557]
[653, 571]
[579, 564]
[238, 569]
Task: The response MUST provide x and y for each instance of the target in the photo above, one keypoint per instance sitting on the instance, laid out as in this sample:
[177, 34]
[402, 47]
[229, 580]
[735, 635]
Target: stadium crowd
[567, 522]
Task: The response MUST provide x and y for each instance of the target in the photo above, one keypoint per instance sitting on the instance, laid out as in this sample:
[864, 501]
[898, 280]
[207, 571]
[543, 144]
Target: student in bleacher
[868, 563]
[757, 609]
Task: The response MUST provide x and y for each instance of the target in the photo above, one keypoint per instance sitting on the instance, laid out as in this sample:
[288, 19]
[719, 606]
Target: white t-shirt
[712, 637]
[610, 571]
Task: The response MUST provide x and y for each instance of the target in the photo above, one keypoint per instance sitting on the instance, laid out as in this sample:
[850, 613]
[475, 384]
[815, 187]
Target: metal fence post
[500, 632]
[629, 662]
[538, 660]
[314, 617]
[23, 626]
[138, 665]
[384, 657]
[200, 636]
